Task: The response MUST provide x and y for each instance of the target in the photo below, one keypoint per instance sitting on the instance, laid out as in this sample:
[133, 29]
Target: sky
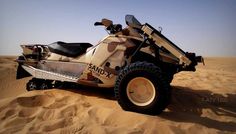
[207, 27]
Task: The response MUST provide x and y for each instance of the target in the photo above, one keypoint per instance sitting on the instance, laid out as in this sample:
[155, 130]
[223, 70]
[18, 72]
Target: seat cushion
[69, 49]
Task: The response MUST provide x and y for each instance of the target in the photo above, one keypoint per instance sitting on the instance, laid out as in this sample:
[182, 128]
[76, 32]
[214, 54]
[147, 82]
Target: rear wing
[162, 41]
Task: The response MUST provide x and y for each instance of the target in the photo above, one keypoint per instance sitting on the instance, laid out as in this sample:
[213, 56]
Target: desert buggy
[138, 61]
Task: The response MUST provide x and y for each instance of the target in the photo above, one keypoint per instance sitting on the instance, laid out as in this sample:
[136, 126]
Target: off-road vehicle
[138, 61]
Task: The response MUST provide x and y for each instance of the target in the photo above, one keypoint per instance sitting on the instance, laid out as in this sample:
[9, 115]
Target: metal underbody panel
[55, 70]
[66, 68]
[42, 74]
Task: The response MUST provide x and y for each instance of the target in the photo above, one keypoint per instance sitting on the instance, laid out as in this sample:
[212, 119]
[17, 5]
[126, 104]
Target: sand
[202, 102]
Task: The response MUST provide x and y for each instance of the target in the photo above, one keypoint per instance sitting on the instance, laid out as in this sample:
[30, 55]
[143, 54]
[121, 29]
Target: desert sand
[202, 102]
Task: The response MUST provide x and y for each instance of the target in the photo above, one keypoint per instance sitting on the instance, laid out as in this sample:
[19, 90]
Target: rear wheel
[31, 85]
[141, 87]
[45, 84]
[37, 84]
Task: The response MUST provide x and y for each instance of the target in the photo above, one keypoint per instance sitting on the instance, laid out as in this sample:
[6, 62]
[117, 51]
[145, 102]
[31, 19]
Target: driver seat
[69, 49]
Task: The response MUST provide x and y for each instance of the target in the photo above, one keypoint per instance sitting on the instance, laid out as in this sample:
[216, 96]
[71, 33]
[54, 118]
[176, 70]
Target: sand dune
[202, 102]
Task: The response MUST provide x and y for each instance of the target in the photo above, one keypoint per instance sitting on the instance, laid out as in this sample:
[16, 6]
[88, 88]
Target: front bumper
[194, 61]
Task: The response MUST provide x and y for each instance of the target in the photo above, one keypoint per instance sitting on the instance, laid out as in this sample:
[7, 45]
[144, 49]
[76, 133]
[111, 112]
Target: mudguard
[21, 73]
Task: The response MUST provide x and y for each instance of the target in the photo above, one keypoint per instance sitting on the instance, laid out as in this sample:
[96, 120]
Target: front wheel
[141, 87]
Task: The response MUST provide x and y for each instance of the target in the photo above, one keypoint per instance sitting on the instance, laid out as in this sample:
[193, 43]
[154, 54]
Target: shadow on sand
[187, 105]
[105, 93]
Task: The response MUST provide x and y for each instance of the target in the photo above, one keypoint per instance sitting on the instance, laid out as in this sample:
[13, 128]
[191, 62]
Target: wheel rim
[141, 91]
[44, 86]
[32, 86]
